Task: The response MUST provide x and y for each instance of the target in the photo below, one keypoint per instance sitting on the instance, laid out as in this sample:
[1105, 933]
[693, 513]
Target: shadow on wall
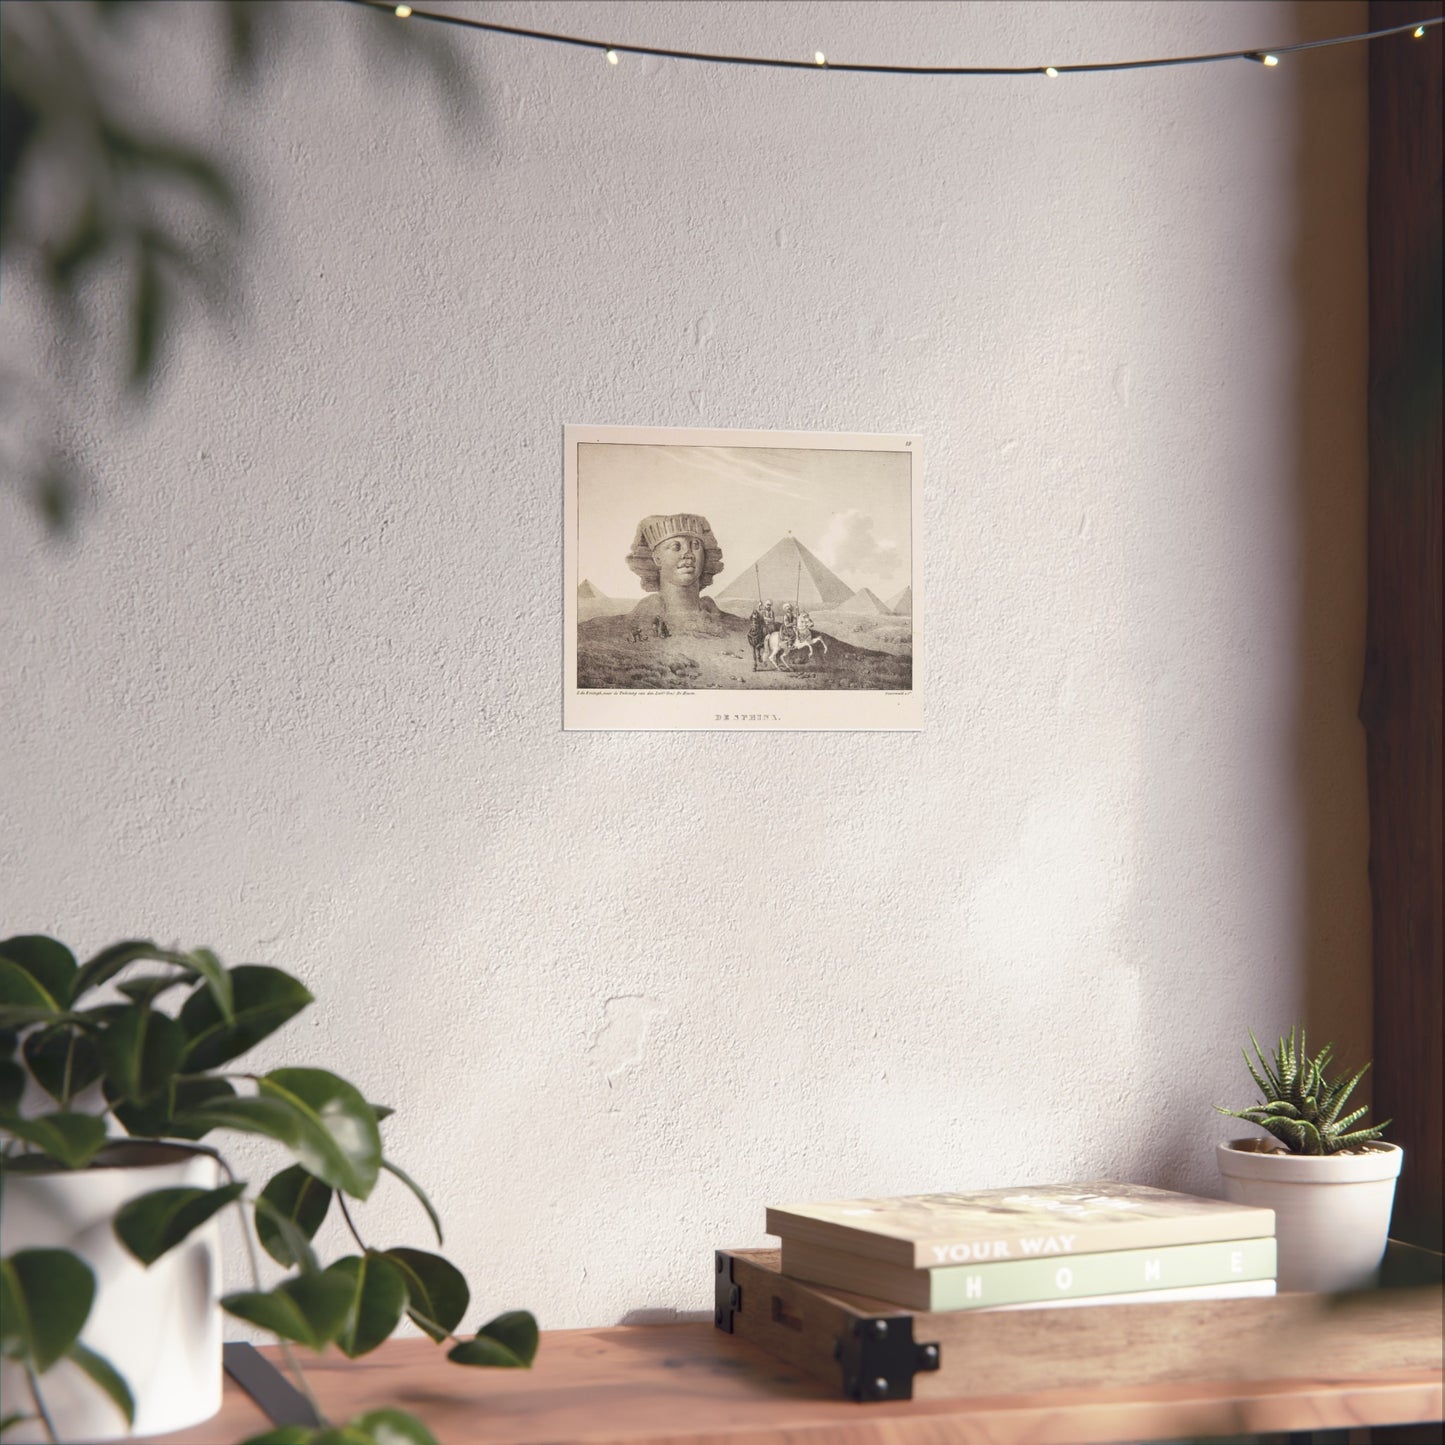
[1323, 899]
[91, 187]
[1331, 305]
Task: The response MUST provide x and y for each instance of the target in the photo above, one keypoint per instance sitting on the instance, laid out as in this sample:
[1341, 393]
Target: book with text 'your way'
[1032, 1281]
[927, 1231]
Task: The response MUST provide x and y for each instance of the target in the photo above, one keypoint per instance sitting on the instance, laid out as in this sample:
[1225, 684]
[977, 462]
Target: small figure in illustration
[659, 627]
[768, 621]
[807, 637]
[789, 629]
[757, 634]
[676, 557]
[636, 632]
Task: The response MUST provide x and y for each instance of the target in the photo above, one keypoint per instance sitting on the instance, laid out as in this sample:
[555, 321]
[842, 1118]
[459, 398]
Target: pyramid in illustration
[785, 572]
[902, 605]
[586, 591]
[864, 601]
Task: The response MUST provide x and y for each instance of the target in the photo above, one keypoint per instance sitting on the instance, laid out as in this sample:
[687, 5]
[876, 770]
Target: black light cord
[612, 50]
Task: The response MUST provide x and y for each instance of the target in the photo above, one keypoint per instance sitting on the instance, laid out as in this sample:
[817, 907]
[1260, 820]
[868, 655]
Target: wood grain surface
[694, 1385]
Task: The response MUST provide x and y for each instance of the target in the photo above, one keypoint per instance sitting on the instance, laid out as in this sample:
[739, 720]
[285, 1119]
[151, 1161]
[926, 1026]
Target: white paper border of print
[606, 501]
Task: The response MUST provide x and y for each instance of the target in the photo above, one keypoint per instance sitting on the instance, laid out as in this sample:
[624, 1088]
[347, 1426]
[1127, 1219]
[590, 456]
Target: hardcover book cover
[925, 1231]
[1034, 1281]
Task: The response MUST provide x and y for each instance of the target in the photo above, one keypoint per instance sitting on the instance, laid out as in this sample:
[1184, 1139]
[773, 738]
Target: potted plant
[1331, 1185]
[113, 1084]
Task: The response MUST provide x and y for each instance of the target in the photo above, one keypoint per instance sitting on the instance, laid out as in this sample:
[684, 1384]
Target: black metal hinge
[727, 1296]
[880, 1358]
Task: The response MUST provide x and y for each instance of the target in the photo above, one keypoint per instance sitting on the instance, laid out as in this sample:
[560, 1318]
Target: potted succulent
[113, 1085]
[1331, 1185]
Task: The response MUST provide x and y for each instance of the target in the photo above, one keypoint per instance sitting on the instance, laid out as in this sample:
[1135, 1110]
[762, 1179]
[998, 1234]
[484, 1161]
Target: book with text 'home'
[926, 1231]
[1031, 1281]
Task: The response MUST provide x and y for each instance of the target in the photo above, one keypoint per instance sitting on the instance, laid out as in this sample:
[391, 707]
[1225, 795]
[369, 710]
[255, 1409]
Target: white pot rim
[1255, 1159]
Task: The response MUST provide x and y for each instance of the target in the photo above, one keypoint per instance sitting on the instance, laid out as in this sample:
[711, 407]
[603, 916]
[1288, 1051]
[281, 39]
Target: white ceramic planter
[160, 1327]
[1331, 1212]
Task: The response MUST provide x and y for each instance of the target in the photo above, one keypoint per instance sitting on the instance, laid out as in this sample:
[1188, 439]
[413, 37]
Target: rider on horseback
[789, 628]
[757, 633]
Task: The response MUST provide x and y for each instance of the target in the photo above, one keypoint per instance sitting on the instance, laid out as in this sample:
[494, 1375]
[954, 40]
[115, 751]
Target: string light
[1260, 56]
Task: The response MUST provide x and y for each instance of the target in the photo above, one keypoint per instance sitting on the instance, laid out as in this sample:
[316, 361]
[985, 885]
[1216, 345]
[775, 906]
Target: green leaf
[310, 1310]
[437, 1293]
[63, 1060]
[263, 999]
[284, 1435]
[104, 1374]
[23, 999]
[50, 964]
[416, 1189]
[378, 1296]
[382, 1111]
[162, 1117]
[45, 1299]
[289, 1236]
[73, 1139]
[298, 1197]
[148, 989]
[341, 1435]
[507, 1342]
[210, 968]
[392, 1427]
[340, 1143]
[141, 1052]
[109, 962]
[10, 1421]
[148, 315]
[151, 1224]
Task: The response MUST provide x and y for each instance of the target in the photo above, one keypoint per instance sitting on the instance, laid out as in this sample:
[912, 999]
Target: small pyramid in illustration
[902, 604]
[586, 592]
[788, 571]
[864, 601]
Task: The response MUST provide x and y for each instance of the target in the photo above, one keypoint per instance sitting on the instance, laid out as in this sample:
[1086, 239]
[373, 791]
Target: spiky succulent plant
[1301, 1108]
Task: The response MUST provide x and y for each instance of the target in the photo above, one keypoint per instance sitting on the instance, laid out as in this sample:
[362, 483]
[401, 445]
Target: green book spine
[1027, 1281]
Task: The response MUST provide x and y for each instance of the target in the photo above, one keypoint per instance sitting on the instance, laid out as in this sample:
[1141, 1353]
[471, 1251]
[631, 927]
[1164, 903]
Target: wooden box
[871, 1350]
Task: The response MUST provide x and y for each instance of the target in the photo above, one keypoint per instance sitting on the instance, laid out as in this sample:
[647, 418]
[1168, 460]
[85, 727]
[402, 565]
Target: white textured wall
[293, 690]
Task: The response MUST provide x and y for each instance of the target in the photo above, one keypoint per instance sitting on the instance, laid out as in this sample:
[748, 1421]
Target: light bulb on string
[1260, 57]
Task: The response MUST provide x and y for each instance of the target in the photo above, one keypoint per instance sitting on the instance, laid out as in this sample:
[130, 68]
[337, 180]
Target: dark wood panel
[1401, 699]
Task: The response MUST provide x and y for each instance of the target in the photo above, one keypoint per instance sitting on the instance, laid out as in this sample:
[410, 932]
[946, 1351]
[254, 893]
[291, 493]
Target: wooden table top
[692, 1384]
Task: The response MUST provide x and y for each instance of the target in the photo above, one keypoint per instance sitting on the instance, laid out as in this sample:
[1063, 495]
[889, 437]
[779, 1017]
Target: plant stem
[69, 1069]
[291, 1361]
[39, 1403]
[346, 1215]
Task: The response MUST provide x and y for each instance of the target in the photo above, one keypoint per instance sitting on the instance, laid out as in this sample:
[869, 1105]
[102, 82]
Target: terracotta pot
[160, 1327]
[1331, 1211]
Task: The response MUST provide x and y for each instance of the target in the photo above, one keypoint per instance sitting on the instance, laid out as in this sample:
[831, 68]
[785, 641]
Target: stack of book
[1031, 1247]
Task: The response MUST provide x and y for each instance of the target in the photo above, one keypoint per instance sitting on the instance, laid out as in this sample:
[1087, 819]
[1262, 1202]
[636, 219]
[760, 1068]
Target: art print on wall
[741, 580]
